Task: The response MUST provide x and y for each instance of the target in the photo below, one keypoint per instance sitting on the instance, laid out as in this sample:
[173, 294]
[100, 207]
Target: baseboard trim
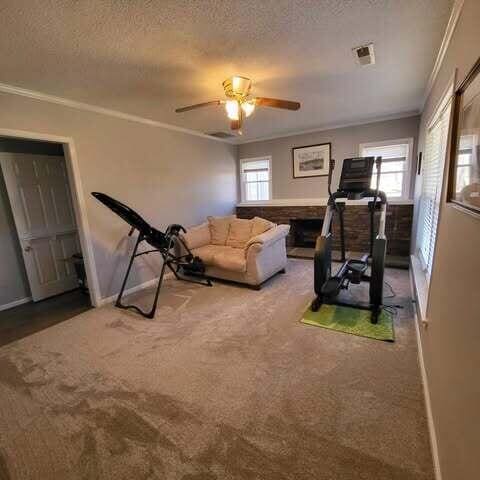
[129, 291]
[16, 303]
[426, 390]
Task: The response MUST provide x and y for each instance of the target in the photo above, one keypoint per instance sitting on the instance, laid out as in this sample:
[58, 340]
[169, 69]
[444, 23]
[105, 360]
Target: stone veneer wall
[357, 221]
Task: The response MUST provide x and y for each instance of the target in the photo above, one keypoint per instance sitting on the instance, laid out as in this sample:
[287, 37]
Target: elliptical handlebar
[378, 165]
[331, 167]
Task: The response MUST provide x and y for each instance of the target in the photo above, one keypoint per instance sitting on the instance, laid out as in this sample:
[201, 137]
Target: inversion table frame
[164, 243]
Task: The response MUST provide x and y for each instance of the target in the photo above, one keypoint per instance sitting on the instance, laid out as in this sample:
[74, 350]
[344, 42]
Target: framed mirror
[464, 174]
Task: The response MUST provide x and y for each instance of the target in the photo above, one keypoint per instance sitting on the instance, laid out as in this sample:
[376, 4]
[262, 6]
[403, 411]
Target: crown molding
[14, 90]
[447, 36]
[364, 121]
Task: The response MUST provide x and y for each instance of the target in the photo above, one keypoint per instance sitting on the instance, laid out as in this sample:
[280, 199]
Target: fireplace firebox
[305, 231]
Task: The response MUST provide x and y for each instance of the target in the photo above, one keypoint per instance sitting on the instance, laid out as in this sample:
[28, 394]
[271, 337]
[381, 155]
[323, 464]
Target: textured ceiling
[148, 57]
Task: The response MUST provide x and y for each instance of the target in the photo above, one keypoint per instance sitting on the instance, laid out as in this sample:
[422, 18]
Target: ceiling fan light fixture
[237, 86]
[240, 104]
[233, 110]
[248, 107]
[241, 85]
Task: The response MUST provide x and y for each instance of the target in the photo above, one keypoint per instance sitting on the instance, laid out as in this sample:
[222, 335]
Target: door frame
[78, 200]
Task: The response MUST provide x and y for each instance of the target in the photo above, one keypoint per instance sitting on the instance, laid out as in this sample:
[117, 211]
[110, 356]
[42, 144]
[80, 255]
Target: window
[396, 161]
[432, 181]
[256, 179]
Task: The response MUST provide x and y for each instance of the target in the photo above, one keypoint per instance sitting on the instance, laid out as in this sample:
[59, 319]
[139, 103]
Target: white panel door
[41, 203]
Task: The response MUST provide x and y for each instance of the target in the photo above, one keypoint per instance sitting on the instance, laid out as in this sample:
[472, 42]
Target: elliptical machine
[354, 185]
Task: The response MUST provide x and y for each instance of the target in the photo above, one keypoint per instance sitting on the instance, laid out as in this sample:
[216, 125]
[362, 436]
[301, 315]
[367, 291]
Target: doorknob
[27, 248]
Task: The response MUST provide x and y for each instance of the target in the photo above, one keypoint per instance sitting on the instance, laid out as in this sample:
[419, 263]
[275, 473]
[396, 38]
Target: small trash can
[77, 260]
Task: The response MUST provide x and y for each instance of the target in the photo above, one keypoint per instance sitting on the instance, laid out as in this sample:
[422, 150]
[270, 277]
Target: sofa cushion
[219, 228]
[239, 233]
[227, 258]
[260, 225]
[206, 253]
[197, 236]
[230, 258]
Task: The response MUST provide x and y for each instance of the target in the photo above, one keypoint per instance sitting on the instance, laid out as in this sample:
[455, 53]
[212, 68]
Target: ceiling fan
[240, 103]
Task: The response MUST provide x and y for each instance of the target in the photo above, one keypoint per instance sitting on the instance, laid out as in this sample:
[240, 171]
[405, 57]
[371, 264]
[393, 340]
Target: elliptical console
[354, 184]
[356, 175]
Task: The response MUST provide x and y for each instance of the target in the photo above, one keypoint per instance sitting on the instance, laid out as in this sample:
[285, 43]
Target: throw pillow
[197, 236]
[260, 225]
[219, 228]
[240, 232]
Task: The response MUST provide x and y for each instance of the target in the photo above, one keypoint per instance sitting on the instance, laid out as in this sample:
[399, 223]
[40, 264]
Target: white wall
[166, 175]
[451, 342]
[345, 144]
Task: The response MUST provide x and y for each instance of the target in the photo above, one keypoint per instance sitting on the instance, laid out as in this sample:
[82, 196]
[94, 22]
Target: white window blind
[432, 180]
[255, 176]
[395, 170]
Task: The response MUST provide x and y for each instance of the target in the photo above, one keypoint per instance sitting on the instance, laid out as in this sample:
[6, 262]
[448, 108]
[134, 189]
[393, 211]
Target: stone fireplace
[357, 218]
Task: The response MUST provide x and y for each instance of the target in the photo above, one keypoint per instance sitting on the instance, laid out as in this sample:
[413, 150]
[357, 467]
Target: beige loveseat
[246, 251]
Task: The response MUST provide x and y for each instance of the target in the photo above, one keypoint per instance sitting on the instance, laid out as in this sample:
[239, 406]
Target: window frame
[243, 183]
[407, 178]
[421, 277]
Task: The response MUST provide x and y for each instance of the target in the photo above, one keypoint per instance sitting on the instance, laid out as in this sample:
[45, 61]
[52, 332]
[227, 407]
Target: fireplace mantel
[312, 202]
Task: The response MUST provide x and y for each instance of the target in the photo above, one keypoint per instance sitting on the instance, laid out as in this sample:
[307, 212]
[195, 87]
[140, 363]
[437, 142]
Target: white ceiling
[148, 57]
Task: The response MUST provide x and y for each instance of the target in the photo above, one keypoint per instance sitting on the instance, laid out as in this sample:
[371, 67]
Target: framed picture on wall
[464, 174]
[311, 161]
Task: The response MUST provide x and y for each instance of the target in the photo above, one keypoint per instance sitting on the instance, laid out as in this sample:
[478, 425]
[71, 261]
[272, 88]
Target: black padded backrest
[124, 212]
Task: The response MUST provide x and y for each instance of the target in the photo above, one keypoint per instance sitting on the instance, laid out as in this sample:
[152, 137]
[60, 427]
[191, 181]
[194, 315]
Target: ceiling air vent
[221, 135]
[364, 55]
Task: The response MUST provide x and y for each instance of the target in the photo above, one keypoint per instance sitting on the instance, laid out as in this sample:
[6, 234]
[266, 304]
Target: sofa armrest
[266, 254]
[269, 237]
[197, 236]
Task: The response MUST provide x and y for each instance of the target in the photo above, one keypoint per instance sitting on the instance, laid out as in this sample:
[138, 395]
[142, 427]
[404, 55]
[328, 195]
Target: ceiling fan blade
[277, 103]
[198, 105]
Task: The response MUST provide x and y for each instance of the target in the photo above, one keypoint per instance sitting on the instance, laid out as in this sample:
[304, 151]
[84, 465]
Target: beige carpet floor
[224, 383]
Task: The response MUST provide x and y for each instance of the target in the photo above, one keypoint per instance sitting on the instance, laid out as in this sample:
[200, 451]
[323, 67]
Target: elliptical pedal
[358, 266]
[332, 286]
[356, 269]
